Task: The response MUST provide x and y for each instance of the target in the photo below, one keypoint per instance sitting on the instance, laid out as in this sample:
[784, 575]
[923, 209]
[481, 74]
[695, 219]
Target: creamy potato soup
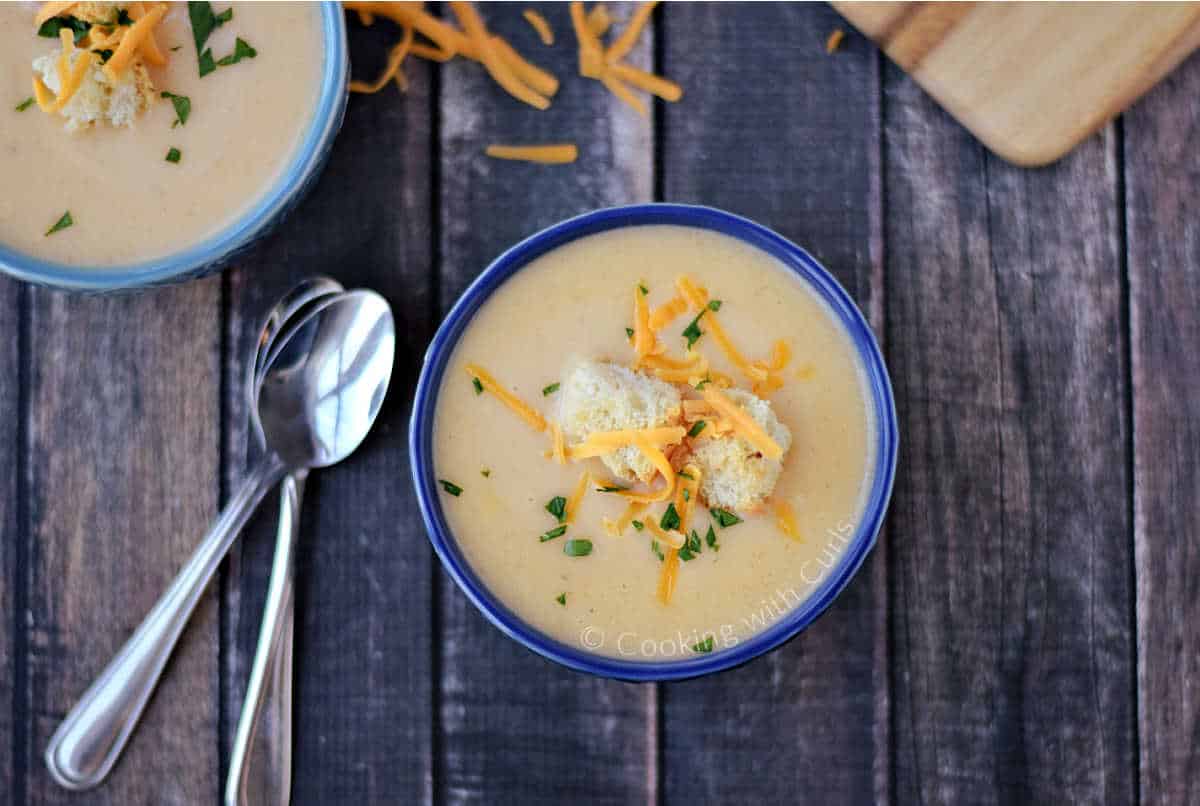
[141, 175]
[592, 339]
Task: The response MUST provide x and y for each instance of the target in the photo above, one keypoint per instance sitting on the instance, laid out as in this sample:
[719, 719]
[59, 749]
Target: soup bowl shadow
[793, 621]
[256, 222]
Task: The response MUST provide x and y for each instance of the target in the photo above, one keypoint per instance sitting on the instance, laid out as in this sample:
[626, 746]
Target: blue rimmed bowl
[793, 257]
[258, 220]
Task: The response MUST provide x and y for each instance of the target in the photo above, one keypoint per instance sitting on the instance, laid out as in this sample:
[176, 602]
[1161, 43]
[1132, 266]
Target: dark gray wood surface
[1024, 632]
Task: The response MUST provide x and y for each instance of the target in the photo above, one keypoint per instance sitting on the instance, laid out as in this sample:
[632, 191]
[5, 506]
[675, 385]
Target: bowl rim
[217, 248]
[517, 257]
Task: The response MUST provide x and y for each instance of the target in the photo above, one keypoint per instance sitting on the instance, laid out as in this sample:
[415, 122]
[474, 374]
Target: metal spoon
[318, 400]
[269, 689]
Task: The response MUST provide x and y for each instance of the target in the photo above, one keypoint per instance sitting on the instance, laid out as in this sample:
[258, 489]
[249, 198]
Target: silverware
[319, 397]
[267, 707]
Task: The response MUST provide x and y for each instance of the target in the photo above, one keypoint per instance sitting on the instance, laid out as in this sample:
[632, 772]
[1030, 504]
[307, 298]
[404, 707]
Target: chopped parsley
[691, 547]
[657, 549]
[695, 430]
[183, 107]
[105, 55]
[174, 155]
[724, 517]
[21, 107]
[557, 531]
[241, 50]
[561, 599]
[204, 22]
[643, 289]
[670, 519]
[549, 390]
[687, 494]
[703, 383]
[557, 507]
[714, 305]
[638, 525]
[577, 548]
[485, 472]
[629, 332]
[704, 646]
[478, 386]
[62, 223]
[52, 26]
[693, 332]
[686, 475]
[611, 488]
[207, 63]
[450, 487]
[177, 47]
[711, 539]
[122, 18]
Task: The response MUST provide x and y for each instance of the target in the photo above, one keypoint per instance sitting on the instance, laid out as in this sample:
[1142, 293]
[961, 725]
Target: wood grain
[809, 720]
[123, 461]
[515, 728]
[1162, 169]
[1011, 603]
[363, 713]
[12, 701]
[1031, 80]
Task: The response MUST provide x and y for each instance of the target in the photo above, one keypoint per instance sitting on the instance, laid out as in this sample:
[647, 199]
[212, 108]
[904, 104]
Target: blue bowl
[420, 437]
[218, 250]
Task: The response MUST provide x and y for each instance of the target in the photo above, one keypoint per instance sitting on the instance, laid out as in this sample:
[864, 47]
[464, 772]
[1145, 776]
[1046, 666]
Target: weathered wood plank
[1011, 606]
[362, 702]
[12, 705]
[123, 460]
[1162, 172]
[788, 135]
[516, 729]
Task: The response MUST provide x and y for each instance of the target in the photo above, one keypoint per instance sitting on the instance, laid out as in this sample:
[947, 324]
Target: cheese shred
[544, 31]
[550, 154]
[519, 407]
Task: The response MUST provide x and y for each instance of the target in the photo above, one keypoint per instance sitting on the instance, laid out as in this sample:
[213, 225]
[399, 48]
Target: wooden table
[1025, 630]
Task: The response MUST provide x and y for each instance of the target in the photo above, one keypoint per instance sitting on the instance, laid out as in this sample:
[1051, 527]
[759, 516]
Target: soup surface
[575, 301]
[127, 202]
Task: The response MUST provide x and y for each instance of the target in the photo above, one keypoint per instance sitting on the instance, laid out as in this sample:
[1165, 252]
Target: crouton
[735, 475]
[598, 396]
[99, 98]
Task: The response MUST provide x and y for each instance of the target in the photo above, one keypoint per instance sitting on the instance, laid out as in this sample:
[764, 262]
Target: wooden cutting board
[1032, 79]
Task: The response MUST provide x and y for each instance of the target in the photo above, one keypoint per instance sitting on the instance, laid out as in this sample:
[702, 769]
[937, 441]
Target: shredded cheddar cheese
[617, 528]
[69, 77]
[661, 316]
[544, 31]
[606, 66]
[577, 497]
[598, 20]
[132, 41]
[785, 519]
[668, 576]
[559, 449]
[698, 298]
[662, 464]
[743, 423]
[685, 495]
[519, 407]
[834, 40]
[625, 42]
[395, 58]
[545, 154]
[673, 540]
[643, 337]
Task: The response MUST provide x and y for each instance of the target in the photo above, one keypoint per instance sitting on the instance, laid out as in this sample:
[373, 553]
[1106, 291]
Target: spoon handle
[264, 729]
[87, 743]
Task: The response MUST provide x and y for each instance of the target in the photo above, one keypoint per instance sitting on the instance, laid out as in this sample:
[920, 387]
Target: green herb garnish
[206, 62]
[686, 475]
[711, 539]
[704, 646]
[21, 107]
[703, 383]
[549, 390]
[204, 22]
[450, 487]
[122, 18]
[714, 305]
[638, 525]
[687, 494]
[629, 332]
[63, 222]
[52, 26]
[485, 472]
[478, 386]
[105, 55]
[177, 47]
[561, 599]
[657, 549]
[643, 289]
[693, 332]
[611, 488]
[183, 107]
[724, 517]
[577, 548]
[691, 547]
[173, 155]
[241, 50]
[557, 507]
[695, 430]
[557, 531]
[670, 519]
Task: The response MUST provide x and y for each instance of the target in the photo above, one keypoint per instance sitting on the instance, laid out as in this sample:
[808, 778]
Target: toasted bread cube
[99, 99]
[736, 476]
